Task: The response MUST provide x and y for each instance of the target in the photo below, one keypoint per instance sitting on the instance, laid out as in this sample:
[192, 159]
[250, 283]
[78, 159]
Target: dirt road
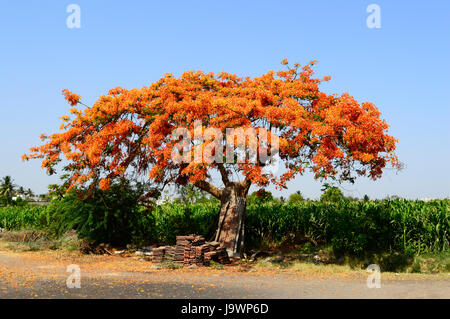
[44, 275]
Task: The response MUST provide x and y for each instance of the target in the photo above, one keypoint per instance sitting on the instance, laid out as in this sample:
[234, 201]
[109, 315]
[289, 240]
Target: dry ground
[43, 274]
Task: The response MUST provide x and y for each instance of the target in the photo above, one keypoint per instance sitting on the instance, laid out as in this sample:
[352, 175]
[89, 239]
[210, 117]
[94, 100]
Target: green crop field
[349, 227]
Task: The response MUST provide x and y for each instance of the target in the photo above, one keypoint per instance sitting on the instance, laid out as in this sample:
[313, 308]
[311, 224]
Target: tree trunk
[230, 231]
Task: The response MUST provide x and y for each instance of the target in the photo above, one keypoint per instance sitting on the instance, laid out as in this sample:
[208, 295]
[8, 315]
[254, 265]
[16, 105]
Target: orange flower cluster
[72, 98]
[129, 131]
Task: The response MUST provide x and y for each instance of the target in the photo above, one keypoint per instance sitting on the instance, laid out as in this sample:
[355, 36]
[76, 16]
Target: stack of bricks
[163, 253]
[193, 253]
[198, 255]
[217, 254]
[169, 253]
[158, 254]
[192, 250]
[178, 256]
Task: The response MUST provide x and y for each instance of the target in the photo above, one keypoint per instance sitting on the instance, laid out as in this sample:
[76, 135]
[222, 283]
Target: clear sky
[403, 67]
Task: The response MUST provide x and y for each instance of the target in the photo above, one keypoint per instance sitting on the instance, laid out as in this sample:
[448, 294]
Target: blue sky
[403, 68]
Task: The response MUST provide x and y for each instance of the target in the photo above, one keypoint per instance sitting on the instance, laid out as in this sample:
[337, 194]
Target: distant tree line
[12, 194]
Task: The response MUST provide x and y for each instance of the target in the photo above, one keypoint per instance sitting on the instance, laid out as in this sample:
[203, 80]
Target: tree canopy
[129, 131]
[296, 197]
[332, 194]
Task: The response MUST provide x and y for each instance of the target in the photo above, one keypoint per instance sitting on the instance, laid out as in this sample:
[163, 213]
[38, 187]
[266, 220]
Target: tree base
[230, 231]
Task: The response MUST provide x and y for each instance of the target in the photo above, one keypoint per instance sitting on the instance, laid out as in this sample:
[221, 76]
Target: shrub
[181, 219]
[113, 216]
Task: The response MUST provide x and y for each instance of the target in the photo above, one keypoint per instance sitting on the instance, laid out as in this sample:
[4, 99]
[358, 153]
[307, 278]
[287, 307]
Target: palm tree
[29, 192]
[7, 189]
[21, 191]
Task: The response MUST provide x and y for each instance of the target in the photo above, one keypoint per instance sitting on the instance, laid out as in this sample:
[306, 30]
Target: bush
[113, 216]
[182, 219]
[259, 197]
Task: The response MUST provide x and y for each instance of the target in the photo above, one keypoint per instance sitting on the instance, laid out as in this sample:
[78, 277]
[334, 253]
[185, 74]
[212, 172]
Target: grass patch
[32, 240]
[215, 265]
[431, 264]
[302, 258]
[170, 264]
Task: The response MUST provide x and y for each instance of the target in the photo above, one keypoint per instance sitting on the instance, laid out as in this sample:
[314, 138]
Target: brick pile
[191, 250]
[163, 253]
[169, 252]
[219, 254]
[158, 254]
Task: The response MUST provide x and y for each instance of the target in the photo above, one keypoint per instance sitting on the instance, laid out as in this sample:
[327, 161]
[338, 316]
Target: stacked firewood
[191, 250]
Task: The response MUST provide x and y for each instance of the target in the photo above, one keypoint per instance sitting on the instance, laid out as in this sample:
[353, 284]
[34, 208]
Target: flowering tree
[131, 133]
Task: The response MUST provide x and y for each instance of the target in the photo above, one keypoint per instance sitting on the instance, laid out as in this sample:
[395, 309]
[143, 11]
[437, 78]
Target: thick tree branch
[223, 173]
[246, 184]
[209, 188]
